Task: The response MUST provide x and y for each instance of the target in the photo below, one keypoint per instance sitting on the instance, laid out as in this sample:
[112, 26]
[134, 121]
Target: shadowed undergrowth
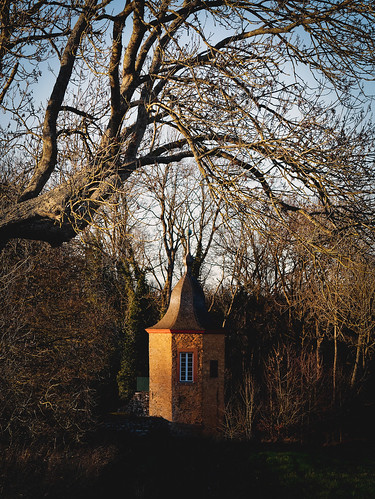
[114, 464]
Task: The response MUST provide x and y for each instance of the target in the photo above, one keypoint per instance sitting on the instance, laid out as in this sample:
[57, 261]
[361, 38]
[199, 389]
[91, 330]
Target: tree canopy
[267, 99]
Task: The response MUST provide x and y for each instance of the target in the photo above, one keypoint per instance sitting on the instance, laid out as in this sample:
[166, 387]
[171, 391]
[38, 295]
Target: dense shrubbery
[57, 338]
[69, 321]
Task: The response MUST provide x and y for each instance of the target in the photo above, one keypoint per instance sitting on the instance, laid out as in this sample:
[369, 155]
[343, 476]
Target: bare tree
[292, 388]
[30, 30]
[172, 203]
[222, 83]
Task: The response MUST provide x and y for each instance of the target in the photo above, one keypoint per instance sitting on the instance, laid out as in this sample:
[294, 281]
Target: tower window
[186, 367]
[214, 368]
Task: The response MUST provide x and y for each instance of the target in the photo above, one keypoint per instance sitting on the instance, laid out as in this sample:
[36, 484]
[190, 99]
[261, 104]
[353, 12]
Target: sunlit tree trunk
[357, 357]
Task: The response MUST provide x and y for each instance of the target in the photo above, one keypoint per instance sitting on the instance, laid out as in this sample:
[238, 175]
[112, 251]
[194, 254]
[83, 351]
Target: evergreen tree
[138, 314]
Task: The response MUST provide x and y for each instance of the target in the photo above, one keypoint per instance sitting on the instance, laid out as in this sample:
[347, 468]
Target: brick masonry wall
[198, 403]
[213, 388]
[187, 397]
[160, 360]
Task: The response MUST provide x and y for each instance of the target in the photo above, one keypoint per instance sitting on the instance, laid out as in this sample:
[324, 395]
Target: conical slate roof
[187, 309]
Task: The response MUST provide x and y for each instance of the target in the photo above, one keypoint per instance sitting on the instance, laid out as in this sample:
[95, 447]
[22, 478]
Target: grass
[116, 464]
[322, 473]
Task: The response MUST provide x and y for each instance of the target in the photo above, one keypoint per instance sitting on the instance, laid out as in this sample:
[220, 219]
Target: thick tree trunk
[39, 219]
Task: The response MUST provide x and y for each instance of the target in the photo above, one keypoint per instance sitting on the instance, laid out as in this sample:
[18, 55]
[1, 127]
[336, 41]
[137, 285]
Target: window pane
[182, 367]
[186, 367]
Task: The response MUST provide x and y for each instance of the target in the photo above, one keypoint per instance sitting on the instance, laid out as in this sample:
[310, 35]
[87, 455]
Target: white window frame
[186, 374]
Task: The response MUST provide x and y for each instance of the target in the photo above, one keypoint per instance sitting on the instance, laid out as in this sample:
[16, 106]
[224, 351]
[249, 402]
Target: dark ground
[118, 463]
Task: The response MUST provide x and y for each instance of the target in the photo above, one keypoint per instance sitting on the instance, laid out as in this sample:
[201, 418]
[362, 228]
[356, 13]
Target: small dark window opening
[214, 368]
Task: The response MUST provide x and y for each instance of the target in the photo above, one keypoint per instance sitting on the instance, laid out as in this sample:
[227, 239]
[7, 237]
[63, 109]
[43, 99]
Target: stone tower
[186, 357]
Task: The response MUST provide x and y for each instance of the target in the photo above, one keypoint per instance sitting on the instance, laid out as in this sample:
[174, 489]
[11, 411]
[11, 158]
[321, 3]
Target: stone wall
[187, 397]
[200, 403]
[213, 388]
[138, 405]
[160, 362]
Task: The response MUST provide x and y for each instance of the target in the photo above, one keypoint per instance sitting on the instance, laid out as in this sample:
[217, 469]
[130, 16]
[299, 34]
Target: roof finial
[188, 258]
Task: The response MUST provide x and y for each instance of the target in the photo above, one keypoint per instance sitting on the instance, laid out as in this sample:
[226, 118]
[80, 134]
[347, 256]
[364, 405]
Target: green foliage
[137, 316]
[126, 376]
